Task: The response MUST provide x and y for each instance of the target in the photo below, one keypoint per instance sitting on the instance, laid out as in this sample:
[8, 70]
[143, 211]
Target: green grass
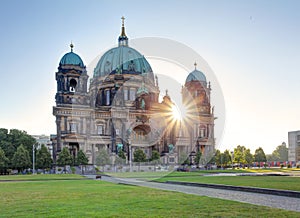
[91, 198]
[273, 182]
[37, 177]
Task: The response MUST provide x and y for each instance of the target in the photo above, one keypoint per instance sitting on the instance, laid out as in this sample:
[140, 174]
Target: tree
[218, 158]
[239, 154]
[183, 158]
[197, 158]
[81, 158]
[155, 157]
[259, 155]
[280, 153]
[139, 156]
[43, 158]
[21, 159]
[11, 140]
[18, 137]
[65, 158]
[120, 158]
[226, 158]
[248, 157]
[102, 158]
[3, 159]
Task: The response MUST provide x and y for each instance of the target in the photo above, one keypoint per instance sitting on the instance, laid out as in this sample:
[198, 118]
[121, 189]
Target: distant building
[44, 140]
[294, 146]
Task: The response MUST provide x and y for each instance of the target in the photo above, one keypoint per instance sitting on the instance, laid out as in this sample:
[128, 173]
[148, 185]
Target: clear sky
[253, 48]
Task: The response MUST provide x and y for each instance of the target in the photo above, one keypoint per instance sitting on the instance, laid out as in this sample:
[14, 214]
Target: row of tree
[21, 159]
[242, 156]
[139, 156]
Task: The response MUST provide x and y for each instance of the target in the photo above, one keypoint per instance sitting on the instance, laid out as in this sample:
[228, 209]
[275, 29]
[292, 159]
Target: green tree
[3, 160]
[21, 159]
[65, 158]
[139, 156]
[43, 158]
[226, 158]
[248, 157]
[120, 158]
[81, 158]
[18, 137]
[280, 153]
[183, 158]
[102, 158]
[218, 158]
[155, 157]
[197, 158]
[11, 140]
[239, 154]
[259, 155]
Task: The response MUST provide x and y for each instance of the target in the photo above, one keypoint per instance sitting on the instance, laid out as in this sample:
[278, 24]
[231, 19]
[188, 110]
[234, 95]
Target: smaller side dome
[71, 58]
[196, 75]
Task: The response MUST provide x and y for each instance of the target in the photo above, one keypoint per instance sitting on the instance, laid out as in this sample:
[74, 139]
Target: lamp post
[33, 157]
[232, 159]
[33, 161]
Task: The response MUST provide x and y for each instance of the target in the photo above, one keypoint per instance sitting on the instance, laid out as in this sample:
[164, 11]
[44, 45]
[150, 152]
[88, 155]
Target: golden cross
[123, 18]
[195, 64]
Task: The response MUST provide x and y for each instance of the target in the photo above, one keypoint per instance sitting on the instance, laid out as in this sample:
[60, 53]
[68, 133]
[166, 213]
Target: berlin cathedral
[120, 109]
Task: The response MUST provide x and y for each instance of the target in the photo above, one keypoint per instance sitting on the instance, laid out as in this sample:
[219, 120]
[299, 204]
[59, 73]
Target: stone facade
[121, 109]
[294, 146]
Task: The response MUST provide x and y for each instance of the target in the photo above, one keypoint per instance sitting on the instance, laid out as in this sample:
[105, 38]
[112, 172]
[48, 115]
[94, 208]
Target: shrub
[281, 166]
[289, 166]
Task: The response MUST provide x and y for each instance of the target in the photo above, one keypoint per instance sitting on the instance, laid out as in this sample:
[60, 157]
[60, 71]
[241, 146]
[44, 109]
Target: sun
[176, 112]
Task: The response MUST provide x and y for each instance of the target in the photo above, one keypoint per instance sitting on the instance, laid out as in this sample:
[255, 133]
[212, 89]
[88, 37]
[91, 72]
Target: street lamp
[33, 158]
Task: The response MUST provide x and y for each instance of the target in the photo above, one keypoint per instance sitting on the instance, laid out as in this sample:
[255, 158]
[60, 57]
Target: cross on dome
[71, 46]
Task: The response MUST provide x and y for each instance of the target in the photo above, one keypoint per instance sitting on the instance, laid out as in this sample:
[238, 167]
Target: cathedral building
[120, 109]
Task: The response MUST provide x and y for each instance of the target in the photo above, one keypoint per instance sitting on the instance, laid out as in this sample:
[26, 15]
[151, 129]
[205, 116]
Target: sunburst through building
[121, 111]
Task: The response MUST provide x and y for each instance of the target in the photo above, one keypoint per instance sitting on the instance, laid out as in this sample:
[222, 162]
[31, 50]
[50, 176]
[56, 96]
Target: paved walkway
[286, 203]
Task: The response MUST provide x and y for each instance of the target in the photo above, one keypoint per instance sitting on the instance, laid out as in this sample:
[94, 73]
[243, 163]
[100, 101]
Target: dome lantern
[123, 39]
[71, 58]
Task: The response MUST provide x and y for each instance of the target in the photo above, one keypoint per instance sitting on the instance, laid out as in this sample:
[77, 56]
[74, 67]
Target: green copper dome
[71, 58]
[196, 75]
[122, 60]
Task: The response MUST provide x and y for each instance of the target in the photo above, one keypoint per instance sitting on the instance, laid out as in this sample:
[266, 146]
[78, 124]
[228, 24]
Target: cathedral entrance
[73, 148]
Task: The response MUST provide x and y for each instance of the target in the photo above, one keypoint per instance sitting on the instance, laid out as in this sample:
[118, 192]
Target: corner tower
[71, 102]
[201, 115]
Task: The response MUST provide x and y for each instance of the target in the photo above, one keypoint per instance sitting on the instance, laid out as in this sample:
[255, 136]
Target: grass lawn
[273, 182]
[37, 177]
[91, 198]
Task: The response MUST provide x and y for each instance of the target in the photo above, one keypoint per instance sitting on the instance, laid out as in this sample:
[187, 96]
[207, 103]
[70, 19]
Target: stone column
[93, 154]
[58, 136]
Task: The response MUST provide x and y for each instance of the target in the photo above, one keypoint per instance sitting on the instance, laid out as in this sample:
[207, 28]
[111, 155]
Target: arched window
[125, 94]
[132, 94]
[73, 85]
[107, 94]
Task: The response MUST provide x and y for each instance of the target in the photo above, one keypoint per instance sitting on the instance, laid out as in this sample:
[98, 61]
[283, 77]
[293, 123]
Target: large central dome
[123, 60]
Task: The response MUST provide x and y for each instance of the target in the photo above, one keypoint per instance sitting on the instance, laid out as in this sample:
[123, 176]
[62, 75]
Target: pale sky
[253, 48]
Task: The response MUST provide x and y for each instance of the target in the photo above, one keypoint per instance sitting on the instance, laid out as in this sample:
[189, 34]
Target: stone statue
[171, 148]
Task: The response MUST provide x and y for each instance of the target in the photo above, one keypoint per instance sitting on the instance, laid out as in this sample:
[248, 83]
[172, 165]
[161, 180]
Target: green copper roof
[196, 75]
[71, 59]
[122, 60]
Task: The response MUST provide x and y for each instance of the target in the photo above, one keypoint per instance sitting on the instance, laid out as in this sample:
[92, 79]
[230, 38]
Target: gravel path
[286, 203]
